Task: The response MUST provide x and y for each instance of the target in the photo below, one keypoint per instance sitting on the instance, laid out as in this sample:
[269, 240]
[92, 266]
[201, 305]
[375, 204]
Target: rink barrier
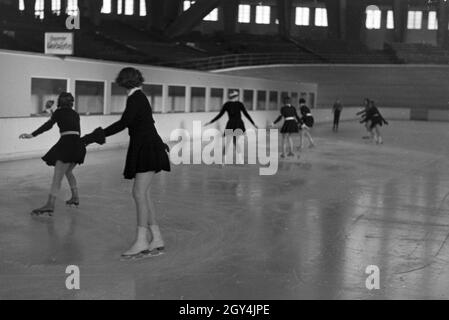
[11, 148]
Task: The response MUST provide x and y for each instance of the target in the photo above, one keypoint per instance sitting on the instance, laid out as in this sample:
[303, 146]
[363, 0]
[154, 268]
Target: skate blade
[143, 255]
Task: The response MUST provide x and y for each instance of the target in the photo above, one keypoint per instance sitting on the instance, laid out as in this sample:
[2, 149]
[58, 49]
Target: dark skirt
[309, 121]
[376, 121]
[290, 126]
[69, 149]
[236, 124]
[145, 155]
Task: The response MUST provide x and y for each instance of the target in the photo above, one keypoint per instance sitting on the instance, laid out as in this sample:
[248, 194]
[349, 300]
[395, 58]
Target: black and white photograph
[224, 155]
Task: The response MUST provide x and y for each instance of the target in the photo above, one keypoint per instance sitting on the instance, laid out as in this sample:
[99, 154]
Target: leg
[154, 233]
[290, 144]
[309, 137]
[378, 135]
[283, 146]
[73, 185]
[226, 146]
[301, 137]
[60, 170]
[140, 188]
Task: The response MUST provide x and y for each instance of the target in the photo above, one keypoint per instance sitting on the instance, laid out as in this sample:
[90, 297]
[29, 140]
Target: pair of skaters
[373, 120]
[146, 156]
[294, 124]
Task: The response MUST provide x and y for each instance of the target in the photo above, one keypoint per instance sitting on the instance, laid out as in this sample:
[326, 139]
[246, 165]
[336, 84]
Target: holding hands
[26, 136]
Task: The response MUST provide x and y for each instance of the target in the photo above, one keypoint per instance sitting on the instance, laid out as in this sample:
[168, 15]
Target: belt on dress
[290, 118]
[67, 133]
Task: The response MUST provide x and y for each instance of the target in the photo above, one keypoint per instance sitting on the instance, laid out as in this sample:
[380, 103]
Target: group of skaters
[373, 120]
[147, 154]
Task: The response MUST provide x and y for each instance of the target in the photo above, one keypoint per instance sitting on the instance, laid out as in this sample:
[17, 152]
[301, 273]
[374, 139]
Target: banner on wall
[59, 43]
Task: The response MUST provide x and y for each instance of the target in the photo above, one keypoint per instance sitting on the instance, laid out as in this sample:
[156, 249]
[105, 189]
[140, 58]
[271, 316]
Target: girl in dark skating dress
[290, 126]
[235, 124]
[65, 154]
[374, 120]
[307, 123]
[147, 155]
[362, 114]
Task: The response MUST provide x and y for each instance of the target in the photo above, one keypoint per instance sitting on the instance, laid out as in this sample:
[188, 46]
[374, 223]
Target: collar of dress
[131, 92]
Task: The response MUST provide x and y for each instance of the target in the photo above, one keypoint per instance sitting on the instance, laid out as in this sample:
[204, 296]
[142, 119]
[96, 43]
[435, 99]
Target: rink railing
[257, 59]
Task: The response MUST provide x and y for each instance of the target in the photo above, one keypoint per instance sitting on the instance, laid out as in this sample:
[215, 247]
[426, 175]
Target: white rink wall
[11, 148]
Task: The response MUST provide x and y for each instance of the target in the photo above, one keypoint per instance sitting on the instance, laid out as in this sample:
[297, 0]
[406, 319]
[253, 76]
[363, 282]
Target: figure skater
[336, 110]
[147, 155]
[290, 126]
[307, 122]
[375, 120]
[65, 154]
[234, 108]
[362, 114]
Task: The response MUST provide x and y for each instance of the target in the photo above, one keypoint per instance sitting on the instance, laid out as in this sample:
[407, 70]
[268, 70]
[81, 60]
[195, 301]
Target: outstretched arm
[278, 119]
[220, 114]
[45, 127]
[246, 114]
[128, 116]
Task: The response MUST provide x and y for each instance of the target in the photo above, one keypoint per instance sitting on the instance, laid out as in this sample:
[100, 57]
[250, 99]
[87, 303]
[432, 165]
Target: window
[56, 6]
[154, 95]
[248, 99]
[273, 101]
[294, 98]
[129, 7]
[212, 16]
[263, 14]
[118, 99]
[43, 90]
[39, 9]
[216, 99]
[198, 99]
[72, 7]
[119, 6]
[143, 8]
[89, 97]
[311, 100]
[261, 100]
[244, 13]
[321, 17]
[302, 16]
[187, 4]
[107, 6]
[390, 20]
[373, 17]
[432, 23]
[414, 20]
[176, 101]
[21, 5]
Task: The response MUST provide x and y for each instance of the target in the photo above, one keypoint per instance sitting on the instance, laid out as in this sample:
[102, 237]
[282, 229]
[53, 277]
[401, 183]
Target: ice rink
[308, 232]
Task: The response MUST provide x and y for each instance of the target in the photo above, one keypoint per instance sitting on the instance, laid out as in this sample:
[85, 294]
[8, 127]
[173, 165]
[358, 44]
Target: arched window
[56, 6]
[119, 6]
[373, 17]
[321, 17]
[432, 23]
[302, 16]
[129, 7]
[21, 5]
[263, 14]
[244, 13]
[143, 8]
[39, 9]
[107, 6]
[390, 19]
[414, 20]
[72, 7]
